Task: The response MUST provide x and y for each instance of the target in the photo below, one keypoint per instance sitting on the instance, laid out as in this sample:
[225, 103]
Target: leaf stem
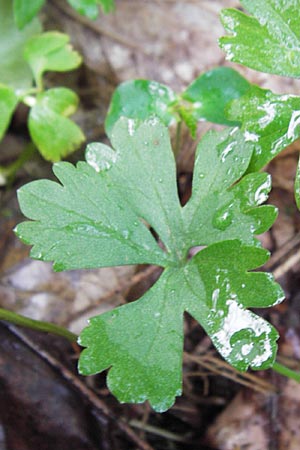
[178, 139]
[9, 172]
[286, 371]
[38, 325]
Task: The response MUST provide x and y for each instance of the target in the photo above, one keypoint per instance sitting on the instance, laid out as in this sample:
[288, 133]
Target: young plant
[25, 56]
[100, 216]
[102, 211]
[205, 98]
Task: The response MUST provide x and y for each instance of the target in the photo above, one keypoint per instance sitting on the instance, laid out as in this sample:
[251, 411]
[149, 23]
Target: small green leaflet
[204, 99]
[212, 91]
[24, 11]
[8, 103]
[54, 134]
[269, 40]
[14, 71]
[99, 215]
[140, 99]
[270, 121]
[50, 51]
[90, 8]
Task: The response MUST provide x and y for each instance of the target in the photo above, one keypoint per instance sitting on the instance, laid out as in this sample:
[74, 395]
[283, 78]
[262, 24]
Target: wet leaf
[218, 210]
[54, 134]
[212, 91]
[140, 99]
[268, 40]
[271, 122]
[90, 8]
[101, 215]
[24, 11]
[50, 51]
[142, 341]
[8, 102]
[14, 70]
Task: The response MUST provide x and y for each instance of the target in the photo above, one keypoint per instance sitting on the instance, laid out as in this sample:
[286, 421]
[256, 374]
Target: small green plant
[25, 56]
[102, 211]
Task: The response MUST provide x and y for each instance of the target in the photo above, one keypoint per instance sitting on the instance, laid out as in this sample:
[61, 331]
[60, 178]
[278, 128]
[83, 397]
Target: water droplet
[223, 217]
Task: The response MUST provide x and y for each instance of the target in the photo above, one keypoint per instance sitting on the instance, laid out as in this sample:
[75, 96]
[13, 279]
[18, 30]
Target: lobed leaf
[220, 208]
[140, 99]
[101, 214]
[142, 342]
[53, 133]
[25, 11]
[103, 211]
[270, 121]
[50, 51]
[90, 8]
[268, 40]
[212, 91]
[8, 103]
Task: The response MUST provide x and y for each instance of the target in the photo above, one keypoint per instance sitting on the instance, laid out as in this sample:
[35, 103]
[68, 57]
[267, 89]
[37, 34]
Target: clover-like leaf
[14, 70]
[140, 99]
[50, 51]
[90, 8]
[8, 102]
[24, 11]
[54, 134]
[102, 213]
[269, 40]
[212, 91]
[270, 121]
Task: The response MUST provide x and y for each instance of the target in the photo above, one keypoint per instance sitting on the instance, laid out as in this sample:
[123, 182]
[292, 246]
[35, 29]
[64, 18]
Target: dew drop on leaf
[223, 217]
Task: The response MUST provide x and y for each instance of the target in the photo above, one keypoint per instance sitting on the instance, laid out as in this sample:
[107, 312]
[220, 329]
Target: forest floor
[44, 404]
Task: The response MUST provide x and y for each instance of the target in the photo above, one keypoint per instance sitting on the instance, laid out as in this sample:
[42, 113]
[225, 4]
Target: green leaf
[8, 103]
[212, 91]
[218, 208]
[53, 133]
[14, 70]
[141, 342]
[269, 40]
[271, 122]
[90, 8]
[50, 51]
[102, 213]
[24, 11]
[140, 99]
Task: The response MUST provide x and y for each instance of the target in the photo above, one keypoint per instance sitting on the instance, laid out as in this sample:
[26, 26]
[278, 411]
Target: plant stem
[286, 371]
[8, 172]
[178, 139]
[39, 325]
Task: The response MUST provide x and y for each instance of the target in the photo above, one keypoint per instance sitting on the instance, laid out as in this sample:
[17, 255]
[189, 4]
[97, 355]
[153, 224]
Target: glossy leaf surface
[14, 70]
[268, 40]
[54, 134]
[99, 215]
[8, 103]
[271, 122]
[50, 51]
[90, 8]
[140, 99]
[212, 91]
[142, 341]
[24, 11]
